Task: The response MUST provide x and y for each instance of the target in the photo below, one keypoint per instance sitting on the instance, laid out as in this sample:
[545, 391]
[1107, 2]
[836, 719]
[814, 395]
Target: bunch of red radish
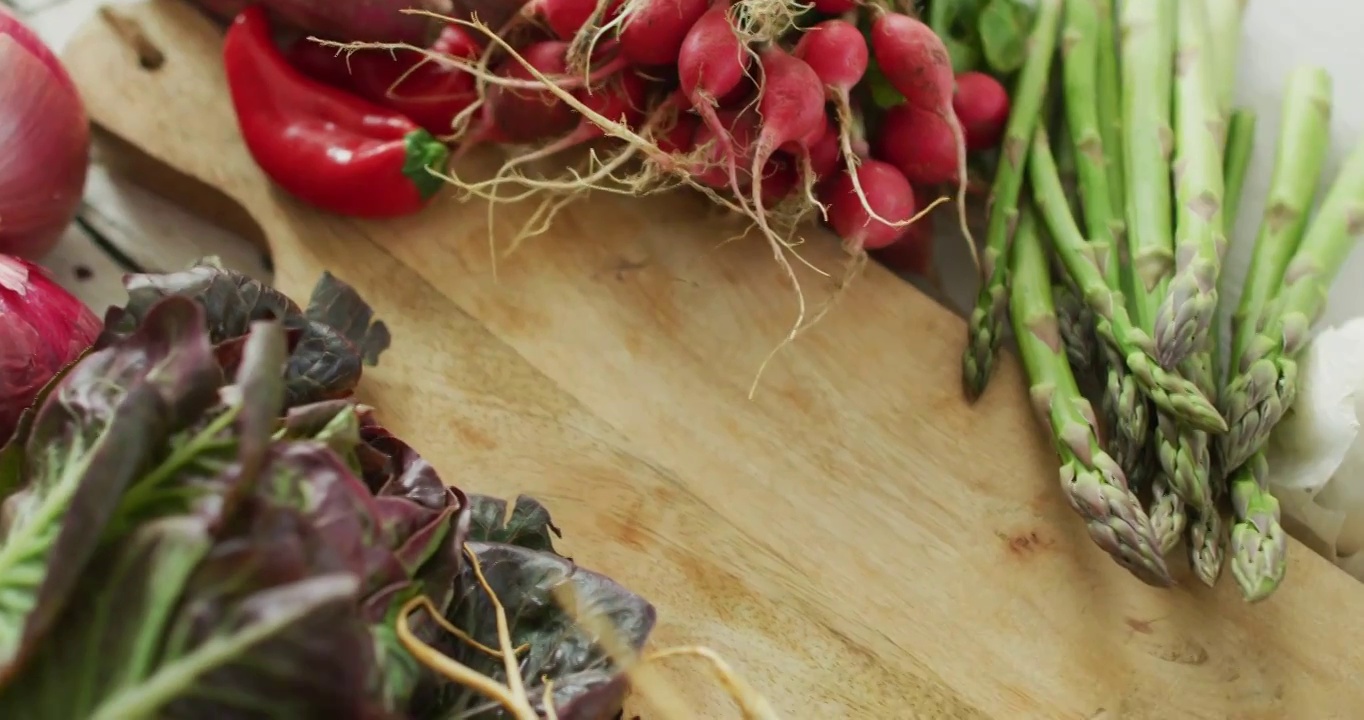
[770, 123]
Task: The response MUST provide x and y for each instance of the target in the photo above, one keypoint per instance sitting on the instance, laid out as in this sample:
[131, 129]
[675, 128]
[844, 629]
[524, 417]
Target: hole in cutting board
[149, 56]
[186, 192]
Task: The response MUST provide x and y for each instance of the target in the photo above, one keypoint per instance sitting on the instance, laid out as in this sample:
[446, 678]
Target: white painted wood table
[122, 227]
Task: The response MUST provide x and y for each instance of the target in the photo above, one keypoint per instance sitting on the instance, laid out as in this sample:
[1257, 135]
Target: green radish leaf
[1004, 26]
[883, 94]
[586, 683]
[965, 57]
[955, 22]
[98, 431]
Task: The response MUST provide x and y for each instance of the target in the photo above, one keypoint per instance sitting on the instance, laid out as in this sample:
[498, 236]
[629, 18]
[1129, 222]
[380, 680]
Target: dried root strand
[765, 21]
[661, 695]
[584, 43]
[753, 705]
[560, 88]
[518, 707]
[479, 70]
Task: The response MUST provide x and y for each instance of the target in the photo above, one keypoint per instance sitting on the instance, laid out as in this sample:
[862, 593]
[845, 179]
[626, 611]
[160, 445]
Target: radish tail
[807, 171]
[962, 182]
[851, 160]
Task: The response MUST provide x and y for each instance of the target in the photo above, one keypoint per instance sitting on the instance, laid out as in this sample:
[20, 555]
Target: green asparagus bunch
[1137, 205]
[1093, 482]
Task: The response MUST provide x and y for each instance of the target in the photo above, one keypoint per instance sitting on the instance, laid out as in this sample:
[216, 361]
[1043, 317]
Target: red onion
[44, 143]
[42, 329]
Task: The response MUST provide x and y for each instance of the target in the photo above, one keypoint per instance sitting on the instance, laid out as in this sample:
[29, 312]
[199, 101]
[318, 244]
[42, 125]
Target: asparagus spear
[1075, 322]
[1258, 542]
[1206, 529]
[1186, 313]
[1080, 66]
[985, 325]
[1093, 482]
[1110, 106]
[1293, 184]
[1266, 385]
[1168, 516]
[1224, 18]
[1236, 160]
[1205, 546]
[1147, 53]
[1183, 451]
[1168, 391]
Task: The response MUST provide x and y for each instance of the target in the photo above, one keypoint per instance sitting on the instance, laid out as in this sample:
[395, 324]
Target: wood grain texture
[857, 540]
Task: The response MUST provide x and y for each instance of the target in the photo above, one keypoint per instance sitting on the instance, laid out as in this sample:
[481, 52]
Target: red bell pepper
[430, 92]
[327, 147]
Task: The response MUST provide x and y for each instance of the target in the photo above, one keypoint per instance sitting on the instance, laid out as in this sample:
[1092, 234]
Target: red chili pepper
[327, 147]
[430, 92]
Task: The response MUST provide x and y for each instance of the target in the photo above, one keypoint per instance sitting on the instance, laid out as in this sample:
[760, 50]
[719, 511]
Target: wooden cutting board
[857, 540]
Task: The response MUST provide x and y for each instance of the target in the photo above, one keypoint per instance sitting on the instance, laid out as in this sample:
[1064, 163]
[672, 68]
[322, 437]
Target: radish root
[618, 130]
[765, 21]
[661, 695]
[584, 43]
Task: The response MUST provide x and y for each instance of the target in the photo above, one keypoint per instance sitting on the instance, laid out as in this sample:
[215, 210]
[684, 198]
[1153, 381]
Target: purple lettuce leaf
[587, 685]
[329, 343]
[528, 524]
[103, 425]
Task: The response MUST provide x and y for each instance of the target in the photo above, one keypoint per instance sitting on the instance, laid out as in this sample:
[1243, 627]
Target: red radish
[525, 116]
[919, 143]
[653, 34]
[710, 64]
[729, 151]
[743, 94]
[620, 100]
[321, 63]
[681, 137]
[837, 52]
[430, 92]
[982, 108]
[566, 17]
[912, 253]
[824, 153]
[792, 108]
[915, 62]
[835, 7]
[887, 192]
[779, 178]
[817, 133]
